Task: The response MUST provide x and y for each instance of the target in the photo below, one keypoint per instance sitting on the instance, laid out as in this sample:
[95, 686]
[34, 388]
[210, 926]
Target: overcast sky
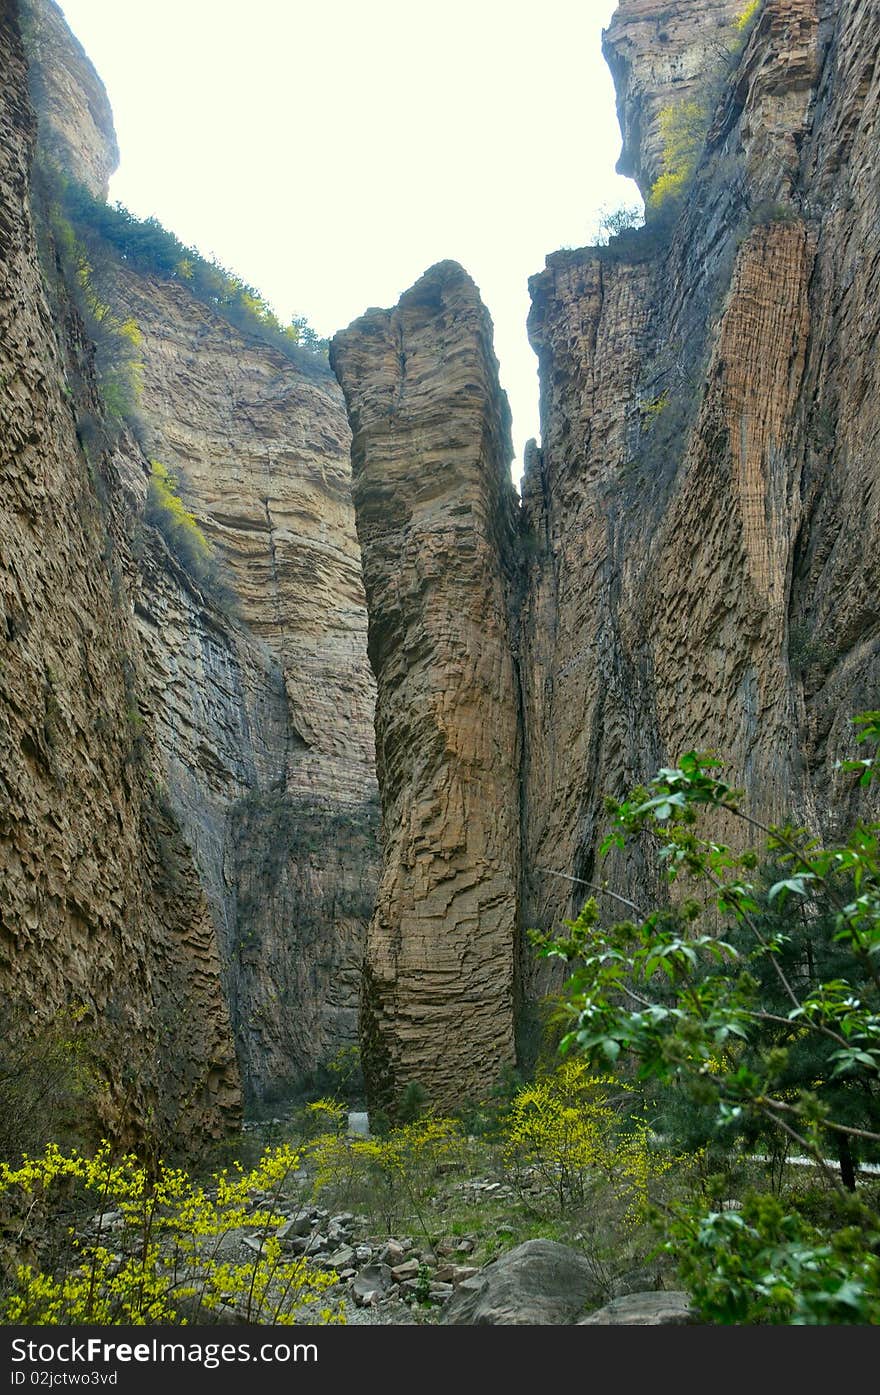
[330, 153]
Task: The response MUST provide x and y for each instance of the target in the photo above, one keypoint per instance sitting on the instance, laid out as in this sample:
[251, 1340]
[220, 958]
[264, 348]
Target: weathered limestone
[436, 521]
[662, 53]
[264, 711]
[700, 510]
[75, 117]
[101, 909]
[257, 703]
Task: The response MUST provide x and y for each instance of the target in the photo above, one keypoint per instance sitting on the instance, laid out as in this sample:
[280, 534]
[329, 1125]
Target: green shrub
[393, 1179]
[167, 512]
[755, 997]
[47, 1080]
[762, 1264]
[112, 232]
[683, 127]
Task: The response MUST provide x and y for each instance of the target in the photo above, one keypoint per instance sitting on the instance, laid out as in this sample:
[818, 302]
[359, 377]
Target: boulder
[295, 1226]
[656, 1309]
[540, 1282]
[342, 1258]
[371, 1284]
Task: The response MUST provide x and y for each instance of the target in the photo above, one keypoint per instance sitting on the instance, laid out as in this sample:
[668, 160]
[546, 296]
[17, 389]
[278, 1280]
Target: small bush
[147, 246]
[571, 1127]
[46, 1080]
[167, 512]
[152, 1253]
[683, 128]
[763, 1264]
[393, 1178]
[750, 12]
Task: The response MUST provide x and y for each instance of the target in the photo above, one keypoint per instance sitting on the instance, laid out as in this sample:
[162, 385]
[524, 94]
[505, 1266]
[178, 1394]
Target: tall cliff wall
[265, 719]
[436, 521]
[699, 525]
[102, 911]
[706, 492]
[76, 120]
[257, 700]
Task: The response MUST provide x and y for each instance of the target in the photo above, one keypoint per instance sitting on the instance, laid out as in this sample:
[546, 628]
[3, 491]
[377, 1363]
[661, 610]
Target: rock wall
[706, 488]
[436, 520]
[75, 116]
[256, 695]
[102, 912]
[699, 525]
[660, 55]
[265, 709]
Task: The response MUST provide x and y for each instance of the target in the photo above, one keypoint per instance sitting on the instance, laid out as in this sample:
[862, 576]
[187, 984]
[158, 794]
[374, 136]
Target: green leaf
[797, 885]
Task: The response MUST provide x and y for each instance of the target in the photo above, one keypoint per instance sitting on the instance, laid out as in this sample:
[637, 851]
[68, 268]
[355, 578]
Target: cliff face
[252, 707]
[660, 54]
[75, 116]
[436, 521]
[102, 912]
[265, 714]
[706, 484]
[698, 524]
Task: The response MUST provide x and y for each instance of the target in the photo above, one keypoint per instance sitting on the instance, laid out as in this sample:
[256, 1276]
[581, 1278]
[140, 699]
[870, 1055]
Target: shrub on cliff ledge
[684, 125]
[167, 512]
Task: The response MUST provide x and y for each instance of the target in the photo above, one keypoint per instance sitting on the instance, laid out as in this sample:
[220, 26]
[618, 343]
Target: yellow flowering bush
[571, 1129]
[392, 1178]
[744, 19]
[153, 1252]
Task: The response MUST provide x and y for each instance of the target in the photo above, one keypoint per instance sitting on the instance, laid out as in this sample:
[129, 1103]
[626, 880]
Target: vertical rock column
[436, 518]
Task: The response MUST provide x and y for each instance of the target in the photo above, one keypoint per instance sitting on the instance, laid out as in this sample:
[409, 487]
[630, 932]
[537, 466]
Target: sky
[330, 153]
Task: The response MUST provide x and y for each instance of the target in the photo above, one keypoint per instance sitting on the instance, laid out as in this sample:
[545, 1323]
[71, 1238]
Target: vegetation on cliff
[93, 236]
[684, 125]
[748, 1011]
[146, 245]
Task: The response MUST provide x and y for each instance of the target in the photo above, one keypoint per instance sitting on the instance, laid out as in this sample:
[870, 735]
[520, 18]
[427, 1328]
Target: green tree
[755, 996]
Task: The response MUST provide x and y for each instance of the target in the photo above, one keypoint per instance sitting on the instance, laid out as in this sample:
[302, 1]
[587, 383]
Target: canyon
[191, 847]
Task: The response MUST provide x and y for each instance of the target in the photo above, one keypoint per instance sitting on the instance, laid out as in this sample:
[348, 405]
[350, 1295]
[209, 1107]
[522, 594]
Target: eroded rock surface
[436, 521]
[75, 115]
[264, 703]
[102, 911]
[250, 705]
[705, 487]
[661, 53]
[537, 1283]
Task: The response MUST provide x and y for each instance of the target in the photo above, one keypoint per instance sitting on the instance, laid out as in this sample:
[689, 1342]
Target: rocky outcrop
[76, 122]
[661, 55]
[700, 504]
[264, 703]
[671, 1309]
[249, 699]
[695, 522]
[102, 917]
[539, 1283]
[436, 521]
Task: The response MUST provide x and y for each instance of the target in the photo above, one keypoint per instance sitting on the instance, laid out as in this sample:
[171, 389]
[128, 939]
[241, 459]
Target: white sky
[329, 153]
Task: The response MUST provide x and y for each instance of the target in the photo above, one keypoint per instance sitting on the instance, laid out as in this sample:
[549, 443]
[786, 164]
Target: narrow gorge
[192, 765]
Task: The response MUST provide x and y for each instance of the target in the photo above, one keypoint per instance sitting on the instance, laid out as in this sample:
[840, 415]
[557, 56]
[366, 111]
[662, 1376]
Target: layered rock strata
[102, 915]
[661, 55]
[255, 688]
[699, 521]
[706, 484]
[75, 116]
[264, 708]
[436, 520]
